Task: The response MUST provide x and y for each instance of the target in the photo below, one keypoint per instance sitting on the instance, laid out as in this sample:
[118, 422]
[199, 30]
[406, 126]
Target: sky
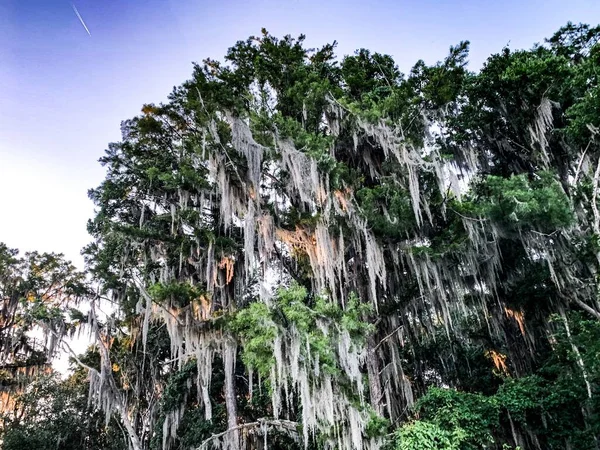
[63, 93]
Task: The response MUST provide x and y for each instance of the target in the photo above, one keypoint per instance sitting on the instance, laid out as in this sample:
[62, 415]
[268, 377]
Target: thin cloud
[80, 19]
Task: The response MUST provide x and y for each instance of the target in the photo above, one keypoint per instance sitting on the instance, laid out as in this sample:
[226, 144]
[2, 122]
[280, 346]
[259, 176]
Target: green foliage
[369, 77]
[423, 435]
[470, 418]
[180, 294]
[255, 326]
[377, 426]
[387, 209]
[53, 414]
[258, 325]
[195, 429]
[547, 403]
[177, 387]
[314, 144]
[522, 396]
[441, 84]
[39, 293]
[574, 40]
[519, 203]
[458, 284]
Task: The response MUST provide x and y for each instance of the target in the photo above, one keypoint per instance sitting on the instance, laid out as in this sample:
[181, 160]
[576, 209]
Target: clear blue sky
[63, 93]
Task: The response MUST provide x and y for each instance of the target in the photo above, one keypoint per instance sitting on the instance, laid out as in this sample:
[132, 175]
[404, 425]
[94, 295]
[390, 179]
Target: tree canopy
[302, 251]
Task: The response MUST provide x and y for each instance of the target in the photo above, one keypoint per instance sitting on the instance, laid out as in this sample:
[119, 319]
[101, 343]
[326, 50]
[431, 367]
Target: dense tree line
[301, 251]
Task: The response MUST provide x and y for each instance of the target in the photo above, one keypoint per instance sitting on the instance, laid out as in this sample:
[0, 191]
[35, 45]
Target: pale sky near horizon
[64, 93]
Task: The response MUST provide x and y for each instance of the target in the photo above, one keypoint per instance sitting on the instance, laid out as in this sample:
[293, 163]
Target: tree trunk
[229, 351]
[133, 437]
[373, 369]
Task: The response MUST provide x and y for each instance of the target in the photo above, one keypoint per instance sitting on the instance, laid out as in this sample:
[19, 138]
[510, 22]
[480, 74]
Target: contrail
[80, 19]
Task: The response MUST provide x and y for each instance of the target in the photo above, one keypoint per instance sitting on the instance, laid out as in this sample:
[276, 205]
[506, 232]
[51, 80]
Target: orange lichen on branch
[8, 403]
[518, 316]
[499, 360]
[252, 192]
[298, 239]
[227, 263]
[15, 378]
[342, 198]
[106, 341]
[324, 252]
[201, 308]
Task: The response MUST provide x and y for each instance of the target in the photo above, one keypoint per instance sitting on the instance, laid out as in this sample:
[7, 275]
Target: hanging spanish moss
[305, 252]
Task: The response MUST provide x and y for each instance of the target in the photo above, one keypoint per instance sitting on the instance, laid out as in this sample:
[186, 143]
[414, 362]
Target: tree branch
[286, 425]
[587, 308]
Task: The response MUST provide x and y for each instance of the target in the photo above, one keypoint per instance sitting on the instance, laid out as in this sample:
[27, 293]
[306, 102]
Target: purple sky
[64, 93]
